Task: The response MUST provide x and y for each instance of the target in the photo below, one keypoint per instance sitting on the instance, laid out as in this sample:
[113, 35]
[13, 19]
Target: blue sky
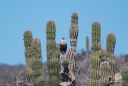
[17, 16]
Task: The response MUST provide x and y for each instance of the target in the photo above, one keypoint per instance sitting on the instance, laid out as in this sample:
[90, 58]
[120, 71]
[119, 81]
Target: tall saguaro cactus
[110, 45]
[33, 60]
[95, 56]
[38, 78]
[53, 61]
[73, 33]
[27, 43]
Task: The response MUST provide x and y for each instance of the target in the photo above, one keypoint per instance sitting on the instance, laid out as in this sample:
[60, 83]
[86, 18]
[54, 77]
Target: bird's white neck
[63, 41]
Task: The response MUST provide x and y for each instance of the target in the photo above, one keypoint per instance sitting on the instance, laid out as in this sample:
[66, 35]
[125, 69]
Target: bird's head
[63, 41]
[63, 38]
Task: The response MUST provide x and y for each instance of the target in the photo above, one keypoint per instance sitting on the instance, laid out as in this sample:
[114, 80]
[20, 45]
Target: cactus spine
[95, 56]
[27, 43]
[38, 79]
[53, 61]
[110, 46]
[125, 77]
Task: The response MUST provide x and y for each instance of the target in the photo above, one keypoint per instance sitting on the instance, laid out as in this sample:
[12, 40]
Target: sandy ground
[118, 76]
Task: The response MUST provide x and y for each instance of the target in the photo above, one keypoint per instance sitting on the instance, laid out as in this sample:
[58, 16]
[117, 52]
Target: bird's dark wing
[66, 46]
[60, 47]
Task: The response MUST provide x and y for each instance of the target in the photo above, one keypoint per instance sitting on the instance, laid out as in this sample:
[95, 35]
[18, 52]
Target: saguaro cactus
[95, 56]
[53, 61]
[27, 43]
[87, 43]
[33, 60]
[110, 45]
[38, 78]
[74, 31]
[125, 77]
[87, 49]
[86, 61]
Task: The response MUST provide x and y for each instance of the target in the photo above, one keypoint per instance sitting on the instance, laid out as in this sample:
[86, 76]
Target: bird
[63, 46]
